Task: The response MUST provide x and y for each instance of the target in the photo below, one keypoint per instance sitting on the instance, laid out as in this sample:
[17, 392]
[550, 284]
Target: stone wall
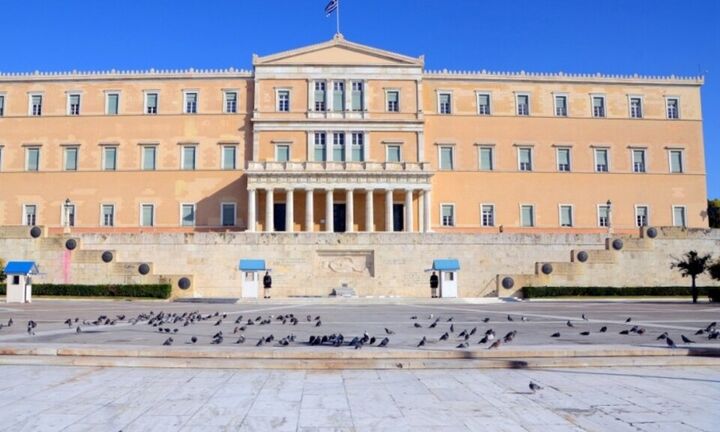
[378, 264]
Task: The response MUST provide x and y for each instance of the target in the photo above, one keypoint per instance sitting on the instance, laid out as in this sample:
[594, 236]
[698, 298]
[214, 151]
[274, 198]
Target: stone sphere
[582, 256]
[107, 256]
[617, 244]
[508, 282]
[652, 232]
[35, 232]
[547, 268]
[143, 269]
[71, 244]
[184, 283]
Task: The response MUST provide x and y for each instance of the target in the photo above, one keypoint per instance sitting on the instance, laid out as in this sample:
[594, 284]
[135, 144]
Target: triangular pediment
[338, 51]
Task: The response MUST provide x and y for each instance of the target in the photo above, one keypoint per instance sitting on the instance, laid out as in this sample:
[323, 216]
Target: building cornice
[114, 74]
[484, 75]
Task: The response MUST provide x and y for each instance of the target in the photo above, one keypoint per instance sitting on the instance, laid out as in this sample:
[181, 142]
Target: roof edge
[564, 77]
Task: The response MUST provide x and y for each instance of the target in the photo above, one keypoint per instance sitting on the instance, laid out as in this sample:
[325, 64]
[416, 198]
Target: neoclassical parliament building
[343, 137]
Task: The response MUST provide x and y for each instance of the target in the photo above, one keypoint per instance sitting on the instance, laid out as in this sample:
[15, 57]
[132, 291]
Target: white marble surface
[40, 398]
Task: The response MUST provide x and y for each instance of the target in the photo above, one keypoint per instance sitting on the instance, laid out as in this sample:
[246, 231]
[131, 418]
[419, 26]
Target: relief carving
[351, 262]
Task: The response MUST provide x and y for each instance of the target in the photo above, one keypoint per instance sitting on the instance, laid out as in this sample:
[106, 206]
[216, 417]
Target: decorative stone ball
[652, 232]
[71, 244]
[582, 256]
[184, 283]
[508, 282]
[143, 269]
[617, 244]
[107, 256]
[35, 232]
[547, 268]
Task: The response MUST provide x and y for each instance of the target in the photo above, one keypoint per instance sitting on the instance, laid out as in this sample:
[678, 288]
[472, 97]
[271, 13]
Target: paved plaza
[36, 398]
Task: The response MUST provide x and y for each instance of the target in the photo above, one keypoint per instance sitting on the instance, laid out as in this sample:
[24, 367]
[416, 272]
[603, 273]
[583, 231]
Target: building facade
[341, 137]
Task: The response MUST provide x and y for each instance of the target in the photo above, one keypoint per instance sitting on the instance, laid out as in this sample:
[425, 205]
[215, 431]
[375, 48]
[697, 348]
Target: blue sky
[659, 37]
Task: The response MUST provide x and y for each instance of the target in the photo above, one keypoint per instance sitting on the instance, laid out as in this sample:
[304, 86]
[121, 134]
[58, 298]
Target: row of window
[331, 96]
[151, 101]
[340, 150]
[560, 105]
[566, 215]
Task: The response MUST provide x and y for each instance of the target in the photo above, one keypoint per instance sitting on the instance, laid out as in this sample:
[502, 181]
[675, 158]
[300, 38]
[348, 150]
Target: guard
[434, 282]
[267, 284]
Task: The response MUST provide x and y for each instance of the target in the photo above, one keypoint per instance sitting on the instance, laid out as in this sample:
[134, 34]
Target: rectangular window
[358, 89]
[563, 159]
[68, 214]
[151, 103]
[561, 109]
[527, 216]
[447, 160]
[320, 146]
[486, 159]
[601, 160]
[282, 152]
[393, 101]
[319, 95]
[447, 212]
[641, 216]
[147, 215]
[71, 158]
[358, 147]
[338, 95]
[32, 159]
[598, 106]
[636, 107]
[638, 156]
[36, 102]
[673, 108]
[187, 214]
[339, 146]
[149, 157]
[2, 105]
[231, 100]
[525, 158]
[229, 157]
[30, 214]
[283, 100]
[227, 214]
[393, 153]
[676, 161]
[188, 157]
[74, 104]
[603, 216]
[487, 215]
[109, 158]
[523, 105]
[566, 216]
[108, 215]
[191, 103]
[112, 103]
[679, 219]
[483, 101]
[445, 102]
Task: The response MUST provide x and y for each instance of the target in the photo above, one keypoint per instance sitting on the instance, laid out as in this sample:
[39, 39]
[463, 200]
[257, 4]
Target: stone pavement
[35, 398]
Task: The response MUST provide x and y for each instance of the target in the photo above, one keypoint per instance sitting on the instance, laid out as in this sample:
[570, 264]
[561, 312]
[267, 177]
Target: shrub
[714, 295]
[2, 272]
[655, 291]
[161, 291]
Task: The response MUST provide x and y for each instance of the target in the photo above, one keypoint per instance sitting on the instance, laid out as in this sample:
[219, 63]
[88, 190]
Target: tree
[2, 272]
[692, 265]
[714, 270]
[713, 212]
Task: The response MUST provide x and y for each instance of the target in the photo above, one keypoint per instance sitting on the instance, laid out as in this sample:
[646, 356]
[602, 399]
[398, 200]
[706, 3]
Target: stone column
[409, 210]
[329, 221]
[289, 210]
[421, 211]
[389, 210]
[349, 211]
[269, 210]
[369, 211]
[251, 210]
[427, 204]
[309, 210]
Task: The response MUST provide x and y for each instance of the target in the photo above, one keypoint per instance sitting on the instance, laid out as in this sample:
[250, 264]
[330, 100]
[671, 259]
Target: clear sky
[657, 37]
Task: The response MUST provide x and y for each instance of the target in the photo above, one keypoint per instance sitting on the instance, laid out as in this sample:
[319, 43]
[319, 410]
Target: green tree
[2, 272]
[713, 212]
[692, 265]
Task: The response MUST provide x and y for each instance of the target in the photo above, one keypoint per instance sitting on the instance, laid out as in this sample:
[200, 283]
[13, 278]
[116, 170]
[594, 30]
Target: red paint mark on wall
[66, 266]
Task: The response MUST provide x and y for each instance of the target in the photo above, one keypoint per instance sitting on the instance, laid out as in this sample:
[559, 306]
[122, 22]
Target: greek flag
[331, 7]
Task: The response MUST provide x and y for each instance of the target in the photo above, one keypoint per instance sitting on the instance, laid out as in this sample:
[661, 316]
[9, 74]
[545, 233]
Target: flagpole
[337, 17]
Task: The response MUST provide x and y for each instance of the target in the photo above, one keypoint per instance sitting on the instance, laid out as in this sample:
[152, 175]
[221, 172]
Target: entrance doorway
[398, 217]
[339, 218]
[279, 217]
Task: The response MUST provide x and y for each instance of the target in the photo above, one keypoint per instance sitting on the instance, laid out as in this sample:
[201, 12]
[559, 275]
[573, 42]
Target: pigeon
[510, 336]
[417, 325]
[662, 336]
[414, 317]
[309, 318]
[509, 318]
[260, 342]
[484, 340]
[555, 335]
[670, 343]
[523, 318]
[463, 345]
[452, 328]
[641, 331]
[449, 319]
[585, 333]
[699, 332]
[193, 339]
[388, 331]
[445, 336]
[318, 324]
[569, 324]
[534, 387]
[486, 319]
[433, 325]
[218, 322]
[78, 330]
[10, 322]
[625, 332]
[603, 329]
[383, 343]
[495, 344]
[686, 340]
[473, 331]
[422, 342]
[168, 341]
[584, 317]
[68, 322]
[240, 340]
[628, 319]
